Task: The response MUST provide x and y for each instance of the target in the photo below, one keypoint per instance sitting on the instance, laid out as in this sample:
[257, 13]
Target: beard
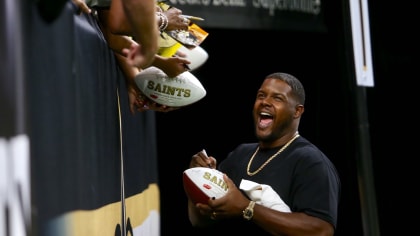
[272, 133]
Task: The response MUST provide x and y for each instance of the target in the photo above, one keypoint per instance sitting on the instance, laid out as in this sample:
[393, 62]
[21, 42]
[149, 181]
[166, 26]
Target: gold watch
[248, 213]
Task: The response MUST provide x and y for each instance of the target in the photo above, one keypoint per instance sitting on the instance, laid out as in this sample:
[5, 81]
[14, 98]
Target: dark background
[239, 60]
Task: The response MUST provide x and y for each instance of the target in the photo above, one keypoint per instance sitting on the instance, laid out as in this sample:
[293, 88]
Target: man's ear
[299, 110]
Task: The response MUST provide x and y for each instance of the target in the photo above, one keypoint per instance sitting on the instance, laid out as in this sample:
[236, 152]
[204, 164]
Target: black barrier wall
[94, 164]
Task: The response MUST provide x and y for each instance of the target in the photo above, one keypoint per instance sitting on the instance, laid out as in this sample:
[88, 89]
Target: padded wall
[78, 126]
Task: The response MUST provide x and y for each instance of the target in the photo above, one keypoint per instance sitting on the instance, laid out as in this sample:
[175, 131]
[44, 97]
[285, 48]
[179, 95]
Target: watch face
[248, 213]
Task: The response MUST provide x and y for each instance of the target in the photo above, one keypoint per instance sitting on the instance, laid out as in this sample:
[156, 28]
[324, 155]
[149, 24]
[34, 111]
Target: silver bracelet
[163, 21]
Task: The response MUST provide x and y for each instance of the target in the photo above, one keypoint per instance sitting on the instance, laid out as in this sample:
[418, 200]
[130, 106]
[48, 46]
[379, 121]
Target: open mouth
[265, 120]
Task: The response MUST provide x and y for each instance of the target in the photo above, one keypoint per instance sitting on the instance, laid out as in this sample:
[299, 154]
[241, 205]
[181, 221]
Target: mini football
[198, 56]
[178, 91]
[202, 183]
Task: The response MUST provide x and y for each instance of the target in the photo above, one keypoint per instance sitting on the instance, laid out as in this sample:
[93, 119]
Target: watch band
[248, 213]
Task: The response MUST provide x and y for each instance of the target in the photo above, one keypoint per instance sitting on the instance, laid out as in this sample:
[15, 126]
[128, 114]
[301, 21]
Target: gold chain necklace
[269, 159]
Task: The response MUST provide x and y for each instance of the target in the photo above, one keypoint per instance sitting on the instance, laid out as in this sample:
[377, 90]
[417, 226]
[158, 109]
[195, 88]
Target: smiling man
[282, 168]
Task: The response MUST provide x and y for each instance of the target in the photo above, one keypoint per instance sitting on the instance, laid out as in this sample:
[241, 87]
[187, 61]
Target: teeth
[265, 114]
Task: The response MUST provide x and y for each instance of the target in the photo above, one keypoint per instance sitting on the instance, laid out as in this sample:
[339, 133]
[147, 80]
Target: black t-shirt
[301, 175]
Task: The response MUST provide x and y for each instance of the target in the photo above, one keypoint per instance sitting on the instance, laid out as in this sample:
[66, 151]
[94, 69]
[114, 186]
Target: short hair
[298, 90]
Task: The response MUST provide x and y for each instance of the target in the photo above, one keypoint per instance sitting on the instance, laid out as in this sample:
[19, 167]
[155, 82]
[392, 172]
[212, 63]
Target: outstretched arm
[141, 16]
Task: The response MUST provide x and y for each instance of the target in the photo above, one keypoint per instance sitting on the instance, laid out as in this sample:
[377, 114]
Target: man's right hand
[201, 159]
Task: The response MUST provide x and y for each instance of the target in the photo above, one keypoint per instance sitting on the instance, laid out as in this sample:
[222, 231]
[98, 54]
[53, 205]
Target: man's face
[274, 109]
